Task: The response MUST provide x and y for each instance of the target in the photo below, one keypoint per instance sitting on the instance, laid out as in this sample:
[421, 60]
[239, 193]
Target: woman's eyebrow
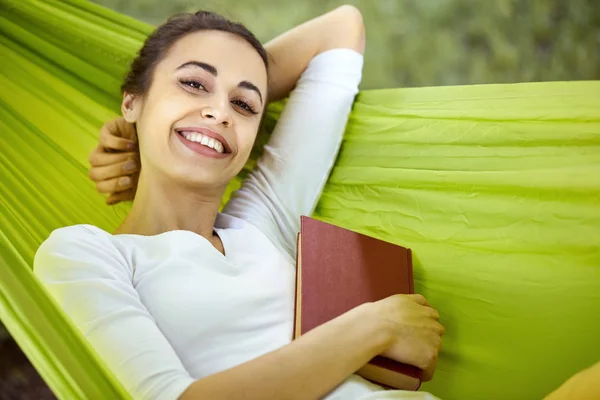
[248, 85]
[213, 71]
[207, 67]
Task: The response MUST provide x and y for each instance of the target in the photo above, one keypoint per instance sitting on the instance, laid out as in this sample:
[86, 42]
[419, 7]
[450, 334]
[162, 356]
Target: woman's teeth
[204, 140]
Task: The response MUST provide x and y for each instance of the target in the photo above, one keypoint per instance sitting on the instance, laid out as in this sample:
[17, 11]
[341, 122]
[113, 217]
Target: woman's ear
[130, 107]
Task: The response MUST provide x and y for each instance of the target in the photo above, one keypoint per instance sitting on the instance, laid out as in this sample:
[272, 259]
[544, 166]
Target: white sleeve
[289, 177]
[92, 283]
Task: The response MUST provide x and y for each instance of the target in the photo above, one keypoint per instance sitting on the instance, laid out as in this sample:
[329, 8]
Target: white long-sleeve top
[163, 311]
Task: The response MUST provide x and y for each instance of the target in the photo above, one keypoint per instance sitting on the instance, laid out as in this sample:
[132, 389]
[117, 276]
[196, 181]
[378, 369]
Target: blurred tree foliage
[433, 42]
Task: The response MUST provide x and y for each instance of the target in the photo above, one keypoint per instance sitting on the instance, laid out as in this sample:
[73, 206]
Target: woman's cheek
[170, 110]
[248, 139]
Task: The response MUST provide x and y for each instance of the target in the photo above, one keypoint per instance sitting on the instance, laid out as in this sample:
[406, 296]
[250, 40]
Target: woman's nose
[218, 116]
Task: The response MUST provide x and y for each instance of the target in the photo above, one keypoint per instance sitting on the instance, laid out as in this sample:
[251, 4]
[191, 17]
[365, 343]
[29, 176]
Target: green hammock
[495, 187]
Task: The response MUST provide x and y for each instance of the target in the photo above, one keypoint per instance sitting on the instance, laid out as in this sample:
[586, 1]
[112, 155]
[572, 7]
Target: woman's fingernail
[125, 181]
[131, 146]
[129, 166]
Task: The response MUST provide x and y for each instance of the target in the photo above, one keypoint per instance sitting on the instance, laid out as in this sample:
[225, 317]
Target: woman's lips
[200, 148]
[206, 132]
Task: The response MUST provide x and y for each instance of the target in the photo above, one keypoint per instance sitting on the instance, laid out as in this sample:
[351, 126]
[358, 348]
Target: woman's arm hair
[291, 52]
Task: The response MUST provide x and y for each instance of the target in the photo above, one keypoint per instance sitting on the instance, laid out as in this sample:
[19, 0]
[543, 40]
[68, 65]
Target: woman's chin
[188, 169]
[197, 176]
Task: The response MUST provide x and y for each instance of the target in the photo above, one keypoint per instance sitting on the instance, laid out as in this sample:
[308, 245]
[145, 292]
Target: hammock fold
[496, 188]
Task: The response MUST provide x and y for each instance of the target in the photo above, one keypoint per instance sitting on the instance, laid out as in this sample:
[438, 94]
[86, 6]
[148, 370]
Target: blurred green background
[433, 42]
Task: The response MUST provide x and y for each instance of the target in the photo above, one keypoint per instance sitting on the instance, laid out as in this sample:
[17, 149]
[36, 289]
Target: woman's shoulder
[76, 235]
[75, 246]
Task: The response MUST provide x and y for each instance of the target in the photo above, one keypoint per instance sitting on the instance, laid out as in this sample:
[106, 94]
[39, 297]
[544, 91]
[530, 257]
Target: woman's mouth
[203, 140]
[202, 143]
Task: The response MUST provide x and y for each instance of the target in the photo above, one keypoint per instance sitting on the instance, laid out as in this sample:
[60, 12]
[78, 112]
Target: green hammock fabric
[495, 187]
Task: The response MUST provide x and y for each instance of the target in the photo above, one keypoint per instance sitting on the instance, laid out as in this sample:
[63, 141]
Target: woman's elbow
[347, 29]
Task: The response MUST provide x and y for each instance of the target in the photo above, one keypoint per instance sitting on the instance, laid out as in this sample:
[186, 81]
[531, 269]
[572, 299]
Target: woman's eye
[194, 85]
[243, 105]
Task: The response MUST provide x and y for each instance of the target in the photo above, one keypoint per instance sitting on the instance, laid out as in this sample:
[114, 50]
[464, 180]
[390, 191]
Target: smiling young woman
[187, 302]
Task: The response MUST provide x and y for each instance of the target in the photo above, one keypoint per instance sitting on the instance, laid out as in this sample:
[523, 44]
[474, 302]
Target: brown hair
[155, 47]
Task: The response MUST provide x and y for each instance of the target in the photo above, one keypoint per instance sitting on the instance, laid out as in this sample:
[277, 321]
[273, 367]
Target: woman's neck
[164, 205]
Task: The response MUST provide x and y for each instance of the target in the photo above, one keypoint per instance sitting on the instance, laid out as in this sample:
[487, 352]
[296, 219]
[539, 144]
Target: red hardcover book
[337, 270]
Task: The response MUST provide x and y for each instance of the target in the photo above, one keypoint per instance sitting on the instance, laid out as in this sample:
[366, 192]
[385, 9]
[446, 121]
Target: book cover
[337, 270]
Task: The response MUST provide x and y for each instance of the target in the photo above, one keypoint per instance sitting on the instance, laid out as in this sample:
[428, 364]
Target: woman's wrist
[376, 335]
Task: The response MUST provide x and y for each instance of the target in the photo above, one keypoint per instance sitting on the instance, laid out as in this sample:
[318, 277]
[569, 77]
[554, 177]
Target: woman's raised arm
[291, 52]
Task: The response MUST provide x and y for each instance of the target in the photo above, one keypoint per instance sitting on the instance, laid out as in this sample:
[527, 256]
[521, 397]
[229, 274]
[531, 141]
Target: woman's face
[198, 121]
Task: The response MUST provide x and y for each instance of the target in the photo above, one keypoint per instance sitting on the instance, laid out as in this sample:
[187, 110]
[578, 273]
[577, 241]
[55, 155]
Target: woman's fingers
[429, 371]
[433, 313]
[114, 143]
[118, 135]
[114, 185]
[115, 161]
[100, 157]
[113, 170]
[125, 195]
[419, 299]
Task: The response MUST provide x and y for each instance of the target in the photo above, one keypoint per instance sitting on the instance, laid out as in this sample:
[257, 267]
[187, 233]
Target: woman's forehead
[230, 54]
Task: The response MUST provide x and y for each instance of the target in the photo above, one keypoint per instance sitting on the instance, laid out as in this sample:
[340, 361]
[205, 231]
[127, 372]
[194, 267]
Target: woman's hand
[415, 331]
[115, 163]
